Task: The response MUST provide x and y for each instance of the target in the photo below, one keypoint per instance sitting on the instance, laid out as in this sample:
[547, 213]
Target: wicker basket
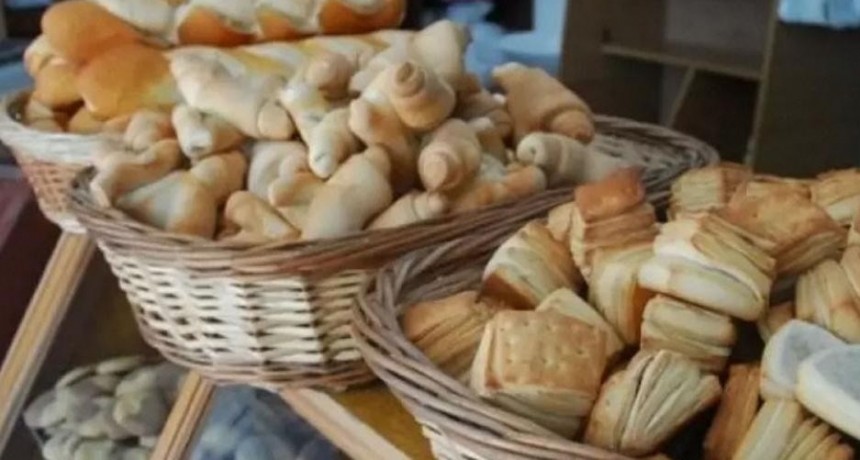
[456, 421]
[50, 161]
[279, 314]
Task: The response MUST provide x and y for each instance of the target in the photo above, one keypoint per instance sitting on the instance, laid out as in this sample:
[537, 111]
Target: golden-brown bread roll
[201, 134]
[83, 122]
[176, 203]
[331, 143]
[41, 117]
[147, 127]
[121, 171]
[641, 406]
[450, 158]
[617, 193]
[329, 72]
[705, 337]
[254, 221]
[448, 330]
[615, 290]
[539, 102]
[292, 194]
[266, 160]
[566, 302]
[735, 414]
[482, 104]
[491, 187]
[492, 143]
[704, 189]
[55, 84]
[125, 79]
[838, 192]
[790, 228]
[80, 30]
[250, 105]
[566, 161]
[761, 185]
[413, 207]
[358, 191]
[223, 174]
[543, 366]
[420, 97]
[529, 266]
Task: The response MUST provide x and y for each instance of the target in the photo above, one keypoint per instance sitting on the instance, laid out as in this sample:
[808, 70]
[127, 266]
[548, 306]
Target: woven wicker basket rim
[435, 398]
[369, 248]
[41, 145]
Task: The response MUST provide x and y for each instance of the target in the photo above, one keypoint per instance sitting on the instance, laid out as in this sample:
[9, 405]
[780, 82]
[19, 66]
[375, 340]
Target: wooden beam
[34, 337]
[187, 416]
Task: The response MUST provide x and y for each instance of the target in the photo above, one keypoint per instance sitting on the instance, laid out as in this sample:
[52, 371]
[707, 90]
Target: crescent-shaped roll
[451, 157]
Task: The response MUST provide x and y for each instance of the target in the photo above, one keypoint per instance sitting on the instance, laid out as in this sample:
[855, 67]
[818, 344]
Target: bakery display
[111, 409]
[327, 137]
[650, 315]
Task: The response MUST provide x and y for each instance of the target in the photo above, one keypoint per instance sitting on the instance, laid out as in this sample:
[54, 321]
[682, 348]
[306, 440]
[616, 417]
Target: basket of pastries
[243, 222]
[729, 331]
[98, 61]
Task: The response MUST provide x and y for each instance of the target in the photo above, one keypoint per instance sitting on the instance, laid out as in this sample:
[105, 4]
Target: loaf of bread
[86, 27]
[544, 366]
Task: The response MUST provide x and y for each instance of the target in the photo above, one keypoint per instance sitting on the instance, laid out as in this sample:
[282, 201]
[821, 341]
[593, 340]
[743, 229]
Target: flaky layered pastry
[735, 414]
[827, 296]
[702, 260]
[641, 406]
[567, 303]
[838, 192]
[705, 189]
[529, 266]
[781, 430]
[615, 290]
[784, 352]
[854, 232]
[703, 336]
[448, 330]
[544, 366]
[762, 185]
[610, 213]
[790, 228]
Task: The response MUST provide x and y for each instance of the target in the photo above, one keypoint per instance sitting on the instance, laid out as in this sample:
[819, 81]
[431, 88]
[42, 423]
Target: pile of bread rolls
[609, 328]
[343, 146]
[114, 409]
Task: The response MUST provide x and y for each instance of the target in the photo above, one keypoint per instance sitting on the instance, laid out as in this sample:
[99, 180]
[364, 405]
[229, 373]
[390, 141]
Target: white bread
[565, 161]
[559, 220]
[451, 157]
[411, 208]
[121, 171]
[615, 290]
[784, 353]
[147, 127]
[250, 219]
[266, 160]
[201, 134]
[331, 143]
[826, 385]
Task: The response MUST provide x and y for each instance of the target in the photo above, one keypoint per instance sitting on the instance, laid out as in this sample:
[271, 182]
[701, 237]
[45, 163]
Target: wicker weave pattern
[50, 161]
[278, 314]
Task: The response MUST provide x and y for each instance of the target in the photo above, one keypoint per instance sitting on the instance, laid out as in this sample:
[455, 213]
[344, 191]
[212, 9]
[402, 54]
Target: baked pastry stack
[790, 228]
[703, 261]
[610, 214]
[838, 192]
[782, 430]
[528, 267]
[738, 407]
[785, 351]
[449, 330]
[703, 336]
[544, 366]
[705, 189]
[641, 406]
[761, 185]
[567, 303]
[829, 295]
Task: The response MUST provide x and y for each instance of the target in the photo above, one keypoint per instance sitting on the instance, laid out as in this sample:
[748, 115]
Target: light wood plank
[342, 419]
[37, 330]
[187, 416]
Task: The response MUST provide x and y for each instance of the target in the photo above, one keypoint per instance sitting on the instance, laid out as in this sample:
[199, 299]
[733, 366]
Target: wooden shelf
[188, 413]
[743, 66]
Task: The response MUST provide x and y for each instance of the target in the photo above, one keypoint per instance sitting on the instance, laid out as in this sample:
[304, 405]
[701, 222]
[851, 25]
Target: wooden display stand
[780, 97]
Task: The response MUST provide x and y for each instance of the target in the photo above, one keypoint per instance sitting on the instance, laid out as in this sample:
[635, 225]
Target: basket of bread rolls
[243, 221]
[98, 61]
[598, 331]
